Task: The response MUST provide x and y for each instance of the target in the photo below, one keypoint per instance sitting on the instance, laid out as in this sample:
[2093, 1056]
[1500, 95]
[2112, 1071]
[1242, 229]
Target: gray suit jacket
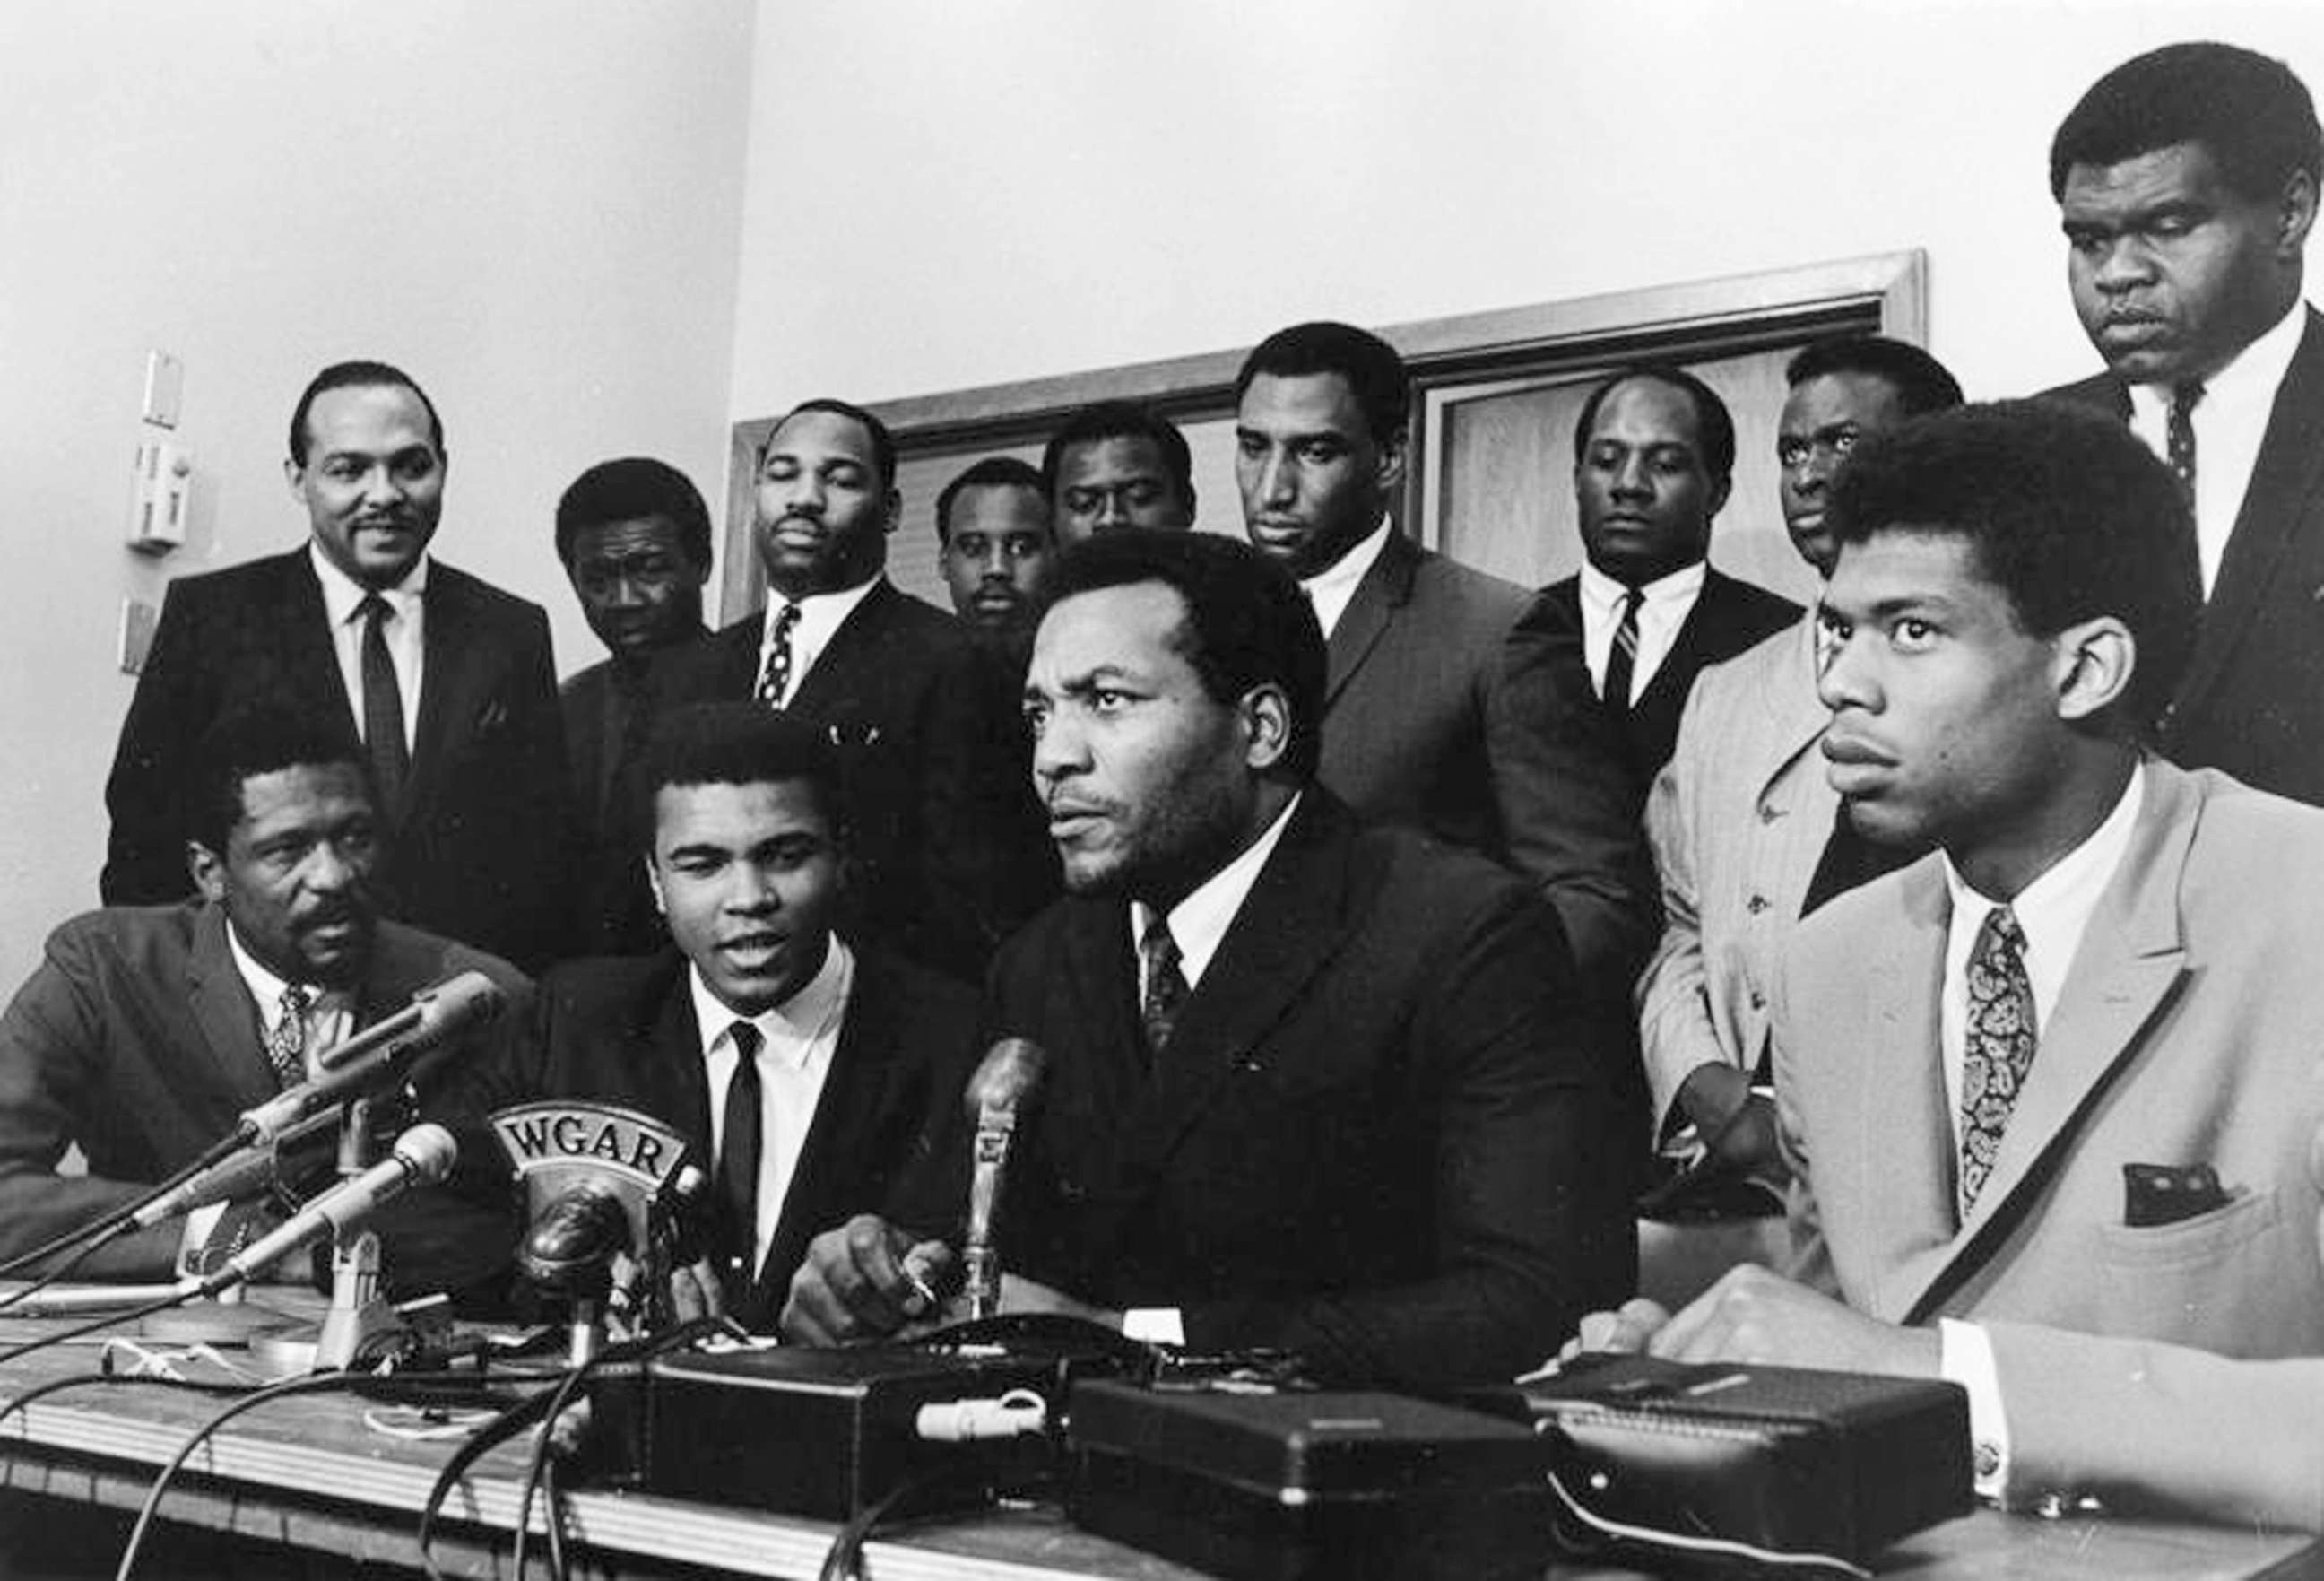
[2153, 1366]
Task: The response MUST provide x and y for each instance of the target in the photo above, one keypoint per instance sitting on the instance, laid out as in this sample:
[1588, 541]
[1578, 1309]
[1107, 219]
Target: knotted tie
[1622, 658]
[2179, 437]
[1998, 1047]
[738, 1157]
[1165, 987]
[286, 1041]
[383, 708]
[775, 679]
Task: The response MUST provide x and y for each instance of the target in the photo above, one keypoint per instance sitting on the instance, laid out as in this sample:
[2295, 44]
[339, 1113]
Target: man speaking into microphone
[1309, 1083]
[148, 1031]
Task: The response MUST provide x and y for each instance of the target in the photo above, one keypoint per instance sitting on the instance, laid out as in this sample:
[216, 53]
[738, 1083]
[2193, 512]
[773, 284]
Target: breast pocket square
[2166, 1194]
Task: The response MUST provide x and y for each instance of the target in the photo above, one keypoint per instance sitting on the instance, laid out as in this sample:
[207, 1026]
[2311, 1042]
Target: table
[305, 1474]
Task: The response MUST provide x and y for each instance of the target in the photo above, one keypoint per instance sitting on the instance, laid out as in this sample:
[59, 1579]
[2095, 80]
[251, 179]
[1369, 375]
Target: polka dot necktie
[775, 679]
[2179, 437]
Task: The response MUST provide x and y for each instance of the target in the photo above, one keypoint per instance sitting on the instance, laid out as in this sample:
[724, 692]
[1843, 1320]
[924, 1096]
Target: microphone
[423, 1156]
[242, 1173]
[379, 1054]
[1006, 1078]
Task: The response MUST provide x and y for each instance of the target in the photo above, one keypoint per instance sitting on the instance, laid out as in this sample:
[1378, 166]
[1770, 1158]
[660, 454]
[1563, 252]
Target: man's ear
[1719, 489]
[209, 871]
[1266, 725]
[292, 473]
[2094, 661]
[1395, 452]
[653, 882]
[892, 509]
[2296, 216]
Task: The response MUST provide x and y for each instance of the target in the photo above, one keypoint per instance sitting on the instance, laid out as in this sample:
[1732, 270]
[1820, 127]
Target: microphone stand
[361, 1325]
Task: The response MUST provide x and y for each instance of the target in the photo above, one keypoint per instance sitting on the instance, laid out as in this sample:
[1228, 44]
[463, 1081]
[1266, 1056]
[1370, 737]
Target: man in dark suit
[148, 1029]
[1654, 456]
[992, 526]
[445, 682]
[1420, 725]
[2186, 179]
[1115, 464]
[1311, 1082]
[634, 536]
[850, 1053]
[946, 836]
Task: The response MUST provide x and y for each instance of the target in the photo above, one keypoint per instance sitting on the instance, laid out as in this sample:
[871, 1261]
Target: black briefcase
[1274, 1486]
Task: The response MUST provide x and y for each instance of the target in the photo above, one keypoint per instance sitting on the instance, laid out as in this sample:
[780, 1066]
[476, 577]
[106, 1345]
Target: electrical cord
[54, 1386]
[1686, 1544]
[552, 1490]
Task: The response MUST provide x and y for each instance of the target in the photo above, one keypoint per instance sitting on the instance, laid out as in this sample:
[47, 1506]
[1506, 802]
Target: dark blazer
[623, 1032]
[1729, 618]
[480, 852]
[608, 715]
[950, 849]
[2248, 702]
[1381, 1133]
[136, 1041]
[1417, 730]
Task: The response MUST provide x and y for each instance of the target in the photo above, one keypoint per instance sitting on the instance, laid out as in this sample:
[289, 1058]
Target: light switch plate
[165, 388]
[138, 619]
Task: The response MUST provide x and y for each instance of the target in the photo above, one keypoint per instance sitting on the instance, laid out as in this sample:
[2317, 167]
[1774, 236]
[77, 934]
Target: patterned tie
[737, 1157]
[775, 679]
[1165, 987]
[382, 708]
[1622, 658]
[286, 1042]
[2179, 437]
[1998, 1047]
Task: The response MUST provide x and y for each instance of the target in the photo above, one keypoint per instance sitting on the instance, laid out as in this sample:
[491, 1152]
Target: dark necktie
[1622, 658]
[1165, 987]
[738, 1160]
[1997, 1048]
[382, 708]
[1850, 859]
[2179, 437]
[286, 1045]
[775, 678]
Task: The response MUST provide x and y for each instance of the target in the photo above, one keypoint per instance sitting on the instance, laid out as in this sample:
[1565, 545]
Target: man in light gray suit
[1422, 725]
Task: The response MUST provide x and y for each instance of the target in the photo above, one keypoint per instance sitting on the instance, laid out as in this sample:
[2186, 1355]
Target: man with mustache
[945, 838]
[992, 525]
[148, 1029]
[804, 1068]
[2186, 183]
[444, 681]
[2052, 1096]
[633, 535]
[1312, 1082]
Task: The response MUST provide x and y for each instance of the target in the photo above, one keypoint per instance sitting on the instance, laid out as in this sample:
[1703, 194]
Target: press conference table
[306, 1473]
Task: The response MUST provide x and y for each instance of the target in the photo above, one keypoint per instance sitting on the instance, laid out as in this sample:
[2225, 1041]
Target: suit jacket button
[1756, 904]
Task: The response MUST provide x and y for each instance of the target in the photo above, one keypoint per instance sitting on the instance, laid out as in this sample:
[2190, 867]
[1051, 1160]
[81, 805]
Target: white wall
[531, 204]
[945, 195]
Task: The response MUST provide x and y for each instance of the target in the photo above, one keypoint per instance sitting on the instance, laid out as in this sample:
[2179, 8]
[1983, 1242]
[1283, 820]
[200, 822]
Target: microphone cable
[103, 1320]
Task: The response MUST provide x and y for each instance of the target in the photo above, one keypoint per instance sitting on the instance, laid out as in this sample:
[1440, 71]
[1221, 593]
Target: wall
[1032, 187]
[532, 206]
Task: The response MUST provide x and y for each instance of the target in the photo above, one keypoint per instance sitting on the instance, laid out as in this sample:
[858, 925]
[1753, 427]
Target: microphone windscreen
[1007, 1075]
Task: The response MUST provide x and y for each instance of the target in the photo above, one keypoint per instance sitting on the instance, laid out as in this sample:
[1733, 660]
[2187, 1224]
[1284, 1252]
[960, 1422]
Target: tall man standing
[1312, 1082]
[2186, 181]
[947, 836]
[634, 536]
[1420, 728]
[444, 682]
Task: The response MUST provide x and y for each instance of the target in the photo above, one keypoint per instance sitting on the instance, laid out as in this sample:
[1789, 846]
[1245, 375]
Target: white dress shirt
[821, 615]
[2053, 912]
[1668, 602]
[797, 1038]
[405, 630]
[2230, 420]
[1197, 925]
[1331, 590]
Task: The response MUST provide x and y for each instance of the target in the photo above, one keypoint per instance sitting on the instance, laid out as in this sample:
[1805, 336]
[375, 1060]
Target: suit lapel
[850, 654]
[457, 676]
[1795, 716]
[222, 1008]
[1902, 1129]
[1377, 597]
[2290, 468]
[855, 1092]
[1292, 922]
[310, 652]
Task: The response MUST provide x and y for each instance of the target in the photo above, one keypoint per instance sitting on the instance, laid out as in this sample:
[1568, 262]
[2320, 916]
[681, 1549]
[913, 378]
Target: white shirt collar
[342, 593]
[794, 1032]
[1667, 602]
[1603, 594]
[1331, 590]
[1199, 921]
[821, 615]
[2257, 369]
[266, 989]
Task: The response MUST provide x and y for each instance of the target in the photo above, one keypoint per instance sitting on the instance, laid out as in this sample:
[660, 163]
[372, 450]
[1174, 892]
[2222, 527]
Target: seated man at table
[2053, 1095]
[1312, 1082]
[804, 1069]
[147, 1030]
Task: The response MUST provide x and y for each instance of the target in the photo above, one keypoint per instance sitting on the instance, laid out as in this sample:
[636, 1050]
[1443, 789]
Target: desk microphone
[380, 1054]
[423, 1156]
[242, 1173]
[1008, 1076]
